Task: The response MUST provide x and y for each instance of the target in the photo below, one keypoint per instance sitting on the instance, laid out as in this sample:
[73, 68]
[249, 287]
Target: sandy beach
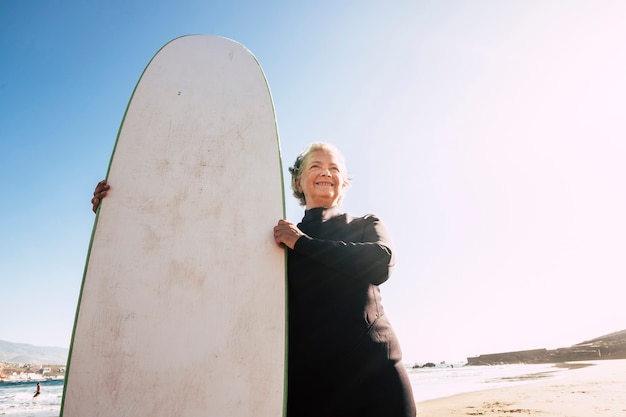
[597, 390]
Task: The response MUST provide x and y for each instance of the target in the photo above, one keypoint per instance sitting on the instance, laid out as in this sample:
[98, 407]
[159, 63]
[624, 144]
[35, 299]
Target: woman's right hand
[286, 234]
[99, 193]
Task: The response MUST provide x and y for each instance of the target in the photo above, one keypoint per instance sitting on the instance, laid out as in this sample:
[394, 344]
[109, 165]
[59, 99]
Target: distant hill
[611, 337]
[22, 353]
[610, 346]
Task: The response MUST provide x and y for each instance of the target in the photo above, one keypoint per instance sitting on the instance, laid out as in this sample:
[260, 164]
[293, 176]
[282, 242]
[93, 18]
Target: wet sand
[595, 388]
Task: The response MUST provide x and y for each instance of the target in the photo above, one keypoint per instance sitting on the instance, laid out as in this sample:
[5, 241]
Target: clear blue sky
[488, 135]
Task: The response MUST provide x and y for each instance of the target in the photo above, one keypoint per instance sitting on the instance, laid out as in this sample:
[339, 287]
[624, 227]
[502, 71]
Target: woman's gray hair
[296, 169]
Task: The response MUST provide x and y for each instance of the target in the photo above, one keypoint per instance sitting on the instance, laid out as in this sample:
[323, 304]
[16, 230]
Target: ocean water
[16, 398]
[431, 383]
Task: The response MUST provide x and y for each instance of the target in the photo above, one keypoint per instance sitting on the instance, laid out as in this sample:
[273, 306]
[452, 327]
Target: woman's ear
[298, 186]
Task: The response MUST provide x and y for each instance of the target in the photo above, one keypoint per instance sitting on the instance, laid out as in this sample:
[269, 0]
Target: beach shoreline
[590, 388]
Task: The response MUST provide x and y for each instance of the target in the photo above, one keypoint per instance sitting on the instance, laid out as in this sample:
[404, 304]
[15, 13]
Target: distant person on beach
[344, 357]
[38, 391]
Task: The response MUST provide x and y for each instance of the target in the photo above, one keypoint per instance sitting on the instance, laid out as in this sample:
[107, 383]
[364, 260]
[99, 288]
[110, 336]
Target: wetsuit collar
[320, 213]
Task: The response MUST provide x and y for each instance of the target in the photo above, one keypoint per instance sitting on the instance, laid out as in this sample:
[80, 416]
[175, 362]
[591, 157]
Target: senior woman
[344, 358]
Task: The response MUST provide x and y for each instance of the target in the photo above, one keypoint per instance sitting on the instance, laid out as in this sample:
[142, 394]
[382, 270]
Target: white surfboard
[182, 306]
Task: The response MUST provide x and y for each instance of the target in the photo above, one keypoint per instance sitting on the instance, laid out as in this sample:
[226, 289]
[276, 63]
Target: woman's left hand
[99, 193]
[286, 234]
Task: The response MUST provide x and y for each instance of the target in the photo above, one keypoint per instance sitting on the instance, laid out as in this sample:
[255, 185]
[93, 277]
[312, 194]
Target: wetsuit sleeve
[370, 260]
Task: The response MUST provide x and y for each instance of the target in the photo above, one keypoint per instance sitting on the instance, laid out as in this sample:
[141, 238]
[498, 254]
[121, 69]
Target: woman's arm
[370, 260]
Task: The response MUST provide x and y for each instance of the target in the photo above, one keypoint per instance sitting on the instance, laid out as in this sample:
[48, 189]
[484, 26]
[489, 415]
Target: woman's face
[322, 179]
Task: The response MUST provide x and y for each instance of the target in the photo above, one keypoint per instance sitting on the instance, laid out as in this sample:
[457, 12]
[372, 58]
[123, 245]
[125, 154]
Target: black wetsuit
[344, 358]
